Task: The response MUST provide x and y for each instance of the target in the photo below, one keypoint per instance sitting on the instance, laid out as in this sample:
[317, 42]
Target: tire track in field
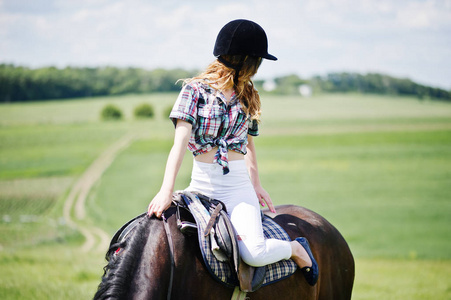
[95, 238]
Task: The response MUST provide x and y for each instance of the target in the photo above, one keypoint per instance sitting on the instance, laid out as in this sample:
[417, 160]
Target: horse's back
[141, 270]
[335, 260]
[336, 264]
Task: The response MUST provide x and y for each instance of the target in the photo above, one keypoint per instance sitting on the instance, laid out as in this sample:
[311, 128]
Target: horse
[156, 263]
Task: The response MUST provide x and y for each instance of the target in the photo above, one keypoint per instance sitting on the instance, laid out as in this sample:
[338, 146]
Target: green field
[378, 168]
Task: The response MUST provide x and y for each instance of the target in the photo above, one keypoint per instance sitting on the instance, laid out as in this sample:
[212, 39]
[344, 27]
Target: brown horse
[146, 265]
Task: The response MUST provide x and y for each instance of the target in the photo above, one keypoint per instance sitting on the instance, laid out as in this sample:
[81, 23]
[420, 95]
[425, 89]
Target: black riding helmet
[242, 37]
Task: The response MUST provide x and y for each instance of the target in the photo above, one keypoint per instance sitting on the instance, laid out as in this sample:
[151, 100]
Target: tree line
[378, 84]
[19, 83]
[372, 83]
[24, 84]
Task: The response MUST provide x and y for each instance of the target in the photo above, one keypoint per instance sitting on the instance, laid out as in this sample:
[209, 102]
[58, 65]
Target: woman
[216, 116]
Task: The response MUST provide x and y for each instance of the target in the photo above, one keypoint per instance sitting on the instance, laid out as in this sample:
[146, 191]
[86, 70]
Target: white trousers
[235, 190]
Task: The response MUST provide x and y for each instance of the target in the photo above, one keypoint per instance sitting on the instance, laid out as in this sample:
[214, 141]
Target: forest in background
[18, 83]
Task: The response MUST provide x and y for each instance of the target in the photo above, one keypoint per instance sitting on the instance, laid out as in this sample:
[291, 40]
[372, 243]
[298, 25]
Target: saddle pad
[281, 269]
[223, 271]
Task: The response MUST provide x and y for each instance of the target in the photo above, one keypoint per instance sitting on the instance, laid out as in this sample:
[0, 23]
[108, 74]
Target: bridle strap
[171, 254]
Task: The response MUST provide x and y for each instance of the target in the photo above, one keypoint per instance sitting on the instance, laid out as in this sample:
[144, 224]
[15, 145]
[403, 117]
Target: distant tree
[376, 84]
[111, 112]
[288, 85]
[144, 110]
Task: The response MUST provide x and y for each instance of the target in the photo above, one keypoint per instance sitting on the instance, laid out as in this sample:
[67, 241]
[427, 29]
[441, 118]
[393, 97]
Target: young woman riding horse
[216, 116]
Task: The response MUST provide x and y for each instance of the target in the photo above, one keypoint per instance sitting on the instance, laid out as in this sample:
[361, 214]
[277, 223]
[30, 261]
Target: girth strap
[212, 220]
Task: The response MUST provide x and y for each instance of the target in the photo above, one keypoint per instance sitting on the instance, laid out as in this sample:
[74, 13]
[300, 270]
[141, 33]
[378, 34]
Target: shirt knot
[221, 156]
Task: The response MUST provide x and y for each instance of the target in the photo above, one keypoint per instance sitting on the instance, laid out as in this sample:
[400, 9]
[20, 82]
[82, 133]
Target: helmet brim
[270, 57]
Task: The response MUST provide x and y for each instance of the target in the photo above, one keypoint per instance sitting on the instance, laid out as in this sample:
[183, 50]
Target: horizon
[268, 80]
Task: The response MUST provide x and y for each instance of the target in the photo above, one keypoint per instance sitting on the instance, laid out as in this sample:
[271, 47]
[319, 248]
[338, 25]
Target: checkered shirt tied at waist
[215, 123]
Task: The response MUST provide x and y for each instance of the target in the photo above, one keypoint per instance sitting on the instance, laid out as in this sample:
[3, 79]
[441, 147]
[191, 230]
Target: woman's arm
[163, 198]
[251, 162]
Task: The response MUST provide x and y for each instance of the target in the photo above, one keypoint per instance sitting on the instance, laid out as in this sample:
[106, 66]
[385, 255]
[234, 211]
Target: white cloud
[406, 37]
[427, 14]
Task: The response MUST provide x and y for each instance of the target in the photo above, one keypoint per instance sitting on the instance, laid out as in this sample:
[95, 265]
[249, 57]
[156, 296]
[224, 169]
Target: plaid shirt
[214, 122]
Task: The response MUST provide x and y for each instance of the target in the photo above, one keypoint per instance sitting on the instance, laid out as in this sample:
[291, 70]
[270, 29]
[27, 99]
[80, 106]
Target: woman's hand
[159, 204]
[264, 197]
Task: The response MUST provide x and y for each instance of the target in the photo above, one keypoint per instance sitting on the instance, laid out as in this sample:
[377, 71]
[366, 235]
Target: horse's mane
[122, 257]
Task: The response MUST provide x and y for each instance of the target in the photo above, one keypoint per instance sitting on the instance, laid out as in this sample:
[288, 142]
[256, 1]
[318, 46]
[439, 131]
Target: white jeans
[235, 190]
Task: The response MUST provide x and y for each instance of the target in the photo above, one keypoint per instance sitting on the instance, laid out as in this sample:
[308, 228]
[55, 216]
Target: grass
[377, 167]
[55, 271]
[401, 279]
[77, 111]
[386, 178]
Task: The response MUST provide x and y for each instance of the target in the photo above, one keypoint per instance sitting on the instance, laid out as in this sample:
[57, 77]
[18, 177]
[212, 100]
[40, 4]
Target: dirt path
[74, 206]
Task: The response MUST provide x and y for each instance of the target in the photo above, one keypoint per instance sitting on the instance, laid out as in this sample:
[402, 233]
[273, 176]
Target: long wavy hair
[222, 76]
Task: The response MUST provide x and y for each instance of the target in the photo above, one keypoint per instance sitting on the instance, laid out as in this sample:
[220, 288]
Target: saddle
[219, 244]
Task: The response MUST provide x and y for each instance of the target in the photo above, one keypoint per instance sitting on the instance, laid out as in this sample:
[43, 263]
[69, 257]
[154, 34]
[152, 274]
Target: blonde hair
[222, 76]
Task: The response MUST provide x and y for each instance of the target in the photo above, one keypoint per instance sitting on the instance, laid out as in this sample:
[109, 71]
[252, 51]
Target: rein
[167, 230]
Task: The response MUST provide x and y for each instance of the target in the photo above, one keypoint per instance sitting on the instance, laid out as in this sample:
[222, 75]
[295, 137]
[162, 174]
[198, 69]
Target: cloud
[430, 14]
[364, 36]
[405, 37]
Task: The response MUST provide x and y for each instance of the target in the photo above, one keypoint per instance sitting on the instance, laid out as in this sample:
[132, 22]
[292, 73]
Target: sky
[401, 38]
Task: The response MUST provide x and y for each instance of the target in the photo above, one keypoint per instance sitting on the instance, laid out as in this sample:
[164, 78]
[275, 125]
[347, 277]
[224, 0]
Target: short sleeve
[185, 108]
[253, 128]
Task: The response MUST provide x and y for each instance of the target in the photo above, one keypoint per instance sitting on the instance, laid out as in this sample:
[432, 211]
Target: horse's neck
[153, 262]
